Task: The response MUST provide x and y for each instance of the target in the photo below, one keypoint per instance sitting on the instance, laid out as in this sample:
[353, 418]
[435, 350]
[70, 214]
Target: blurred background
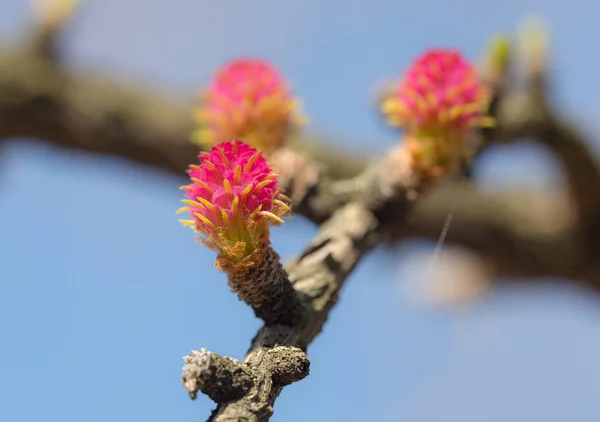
[102, 292]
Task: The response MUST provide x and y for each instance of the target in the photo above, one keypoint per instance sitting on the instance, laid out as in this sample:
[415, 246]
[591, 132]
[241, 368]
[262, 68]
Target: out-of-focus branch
[528, 114]
[520, 233]
[41, 98]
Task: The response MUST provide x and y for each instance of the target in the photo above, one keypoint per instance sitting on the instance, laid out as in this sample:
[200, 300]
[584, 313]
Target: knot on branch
[221, 378]
[290, 364]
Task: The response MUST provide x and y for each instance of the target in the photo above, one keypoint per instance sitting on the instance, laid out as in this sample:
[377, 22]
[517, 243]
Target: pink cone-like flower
[438, 102]
[233, 199]
[440, 95]
[248, 99]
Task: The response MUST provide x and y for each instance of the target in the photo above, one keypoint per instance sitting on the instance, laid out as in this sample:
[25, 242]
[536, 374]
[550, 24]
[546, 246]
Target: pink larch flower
[248, 99]
[438, 103]
[440, 95]
[233, 199]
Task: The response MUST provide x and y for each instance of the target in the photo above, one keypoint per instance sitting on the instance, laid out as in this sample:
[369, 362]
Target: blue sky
[102, 292]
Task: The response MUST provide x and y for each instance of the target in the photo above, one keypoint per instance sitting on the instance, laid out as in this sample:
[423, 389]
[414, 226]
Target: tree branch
[529, 114]
[318, 275]
[522, 234]
[518, 234]
[526, 115]
[41, 99]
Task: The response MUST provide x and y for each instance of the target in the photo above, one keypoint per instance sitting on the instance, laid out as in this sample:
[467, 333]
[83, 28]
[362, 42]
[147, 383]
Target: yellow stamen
[251, 161]
[271, 215]
[200, 183]
[227, 223]
[391, 106]
[247, 191]
[234, 205]
[263, 184]
[207, 204]
[223, 156]
[182, 209]
[191, 203]
[204, 220]
[227, 187]
[187, 222]
[210, 166]
[456, 111]
[284, 197]
[237, 175]
[281, 204]
[255, 212]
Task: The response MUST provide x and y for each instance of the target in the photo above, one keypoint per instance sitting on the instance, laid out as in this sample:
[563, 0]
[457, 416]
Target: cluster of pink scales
[248, 99]
[440, 94]
[233, 198]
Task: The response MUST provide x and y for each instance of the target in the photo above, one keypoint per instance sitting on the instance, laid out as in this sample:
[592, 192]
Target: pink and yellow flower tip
[248, 99]
[233, 199]
[439, 95]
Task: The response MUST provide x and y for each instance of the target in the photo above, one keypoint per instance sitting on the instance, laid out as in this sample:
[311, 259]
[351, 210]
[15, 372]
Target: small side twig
[220, 378]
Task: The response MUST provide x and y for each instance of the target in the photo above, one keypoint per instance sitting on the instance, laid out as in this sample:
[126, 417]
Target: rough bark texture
[220, 378]
[518, 234]
[261, 281]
